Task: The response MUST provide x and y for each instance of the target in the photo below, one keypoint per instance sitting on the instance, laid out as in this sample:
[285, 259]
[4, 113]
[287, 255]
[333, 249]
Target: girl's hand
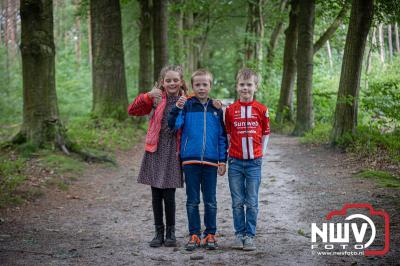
[181, 102]
[221, 169]
[156, 93]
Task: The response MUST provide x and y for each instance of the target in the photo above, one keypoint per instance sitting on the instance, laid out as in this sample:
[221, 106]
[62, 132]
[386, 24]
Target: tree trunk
[89, 23]
[255, 34]
[328, 48]
[160, 35]
[390, 42]
[396, 31]
[285, 106]
[145, 66]
[368, 62]
[78, 36]
[191, 65]
[345, 120]
[12, 27]
[108, 72]
[41, 123]
[381, 43]
[276, 32]
[177, 34]
[305, 47]
[332, 28]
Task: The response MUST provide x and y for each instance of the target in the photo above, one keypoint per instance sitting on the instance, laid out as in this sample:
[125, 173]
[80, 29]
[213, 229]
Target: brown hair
[247, 73]
[175, 68]
[202, 72]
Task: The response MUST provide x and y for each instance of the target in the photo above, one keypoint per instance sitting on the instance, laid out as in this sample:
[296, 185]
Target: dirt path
[106, 219]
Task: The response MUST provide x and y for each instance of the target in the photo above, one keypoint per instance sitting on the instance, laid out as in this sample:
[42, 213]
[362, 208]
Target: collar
[246, 103]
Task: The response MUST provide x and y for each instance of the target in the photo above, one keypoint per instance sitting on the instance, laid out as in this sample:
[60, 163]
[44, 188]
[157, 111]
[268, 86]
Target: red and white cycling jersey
[246, 124]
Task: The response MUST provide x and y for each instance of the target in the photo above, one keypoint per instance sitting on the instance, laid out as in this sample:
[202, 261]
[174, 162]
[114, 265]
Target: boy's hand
[217, 104]
[221, 169]
[156, 93]
[181, 102]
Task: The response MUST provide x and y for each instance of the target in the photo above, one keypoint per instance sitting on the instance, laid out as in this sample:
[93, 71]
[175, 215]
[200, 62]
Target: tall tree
[145, 65]
[390, 42]
[108, 72]
[160, 35]
[345, 120]
[305, 52]
[381, 43]
[190, 49]
[396, 34]
[41, 123]
[273, 41]
[285, 106]
[255, 33]
[178, 40]
[333, 27]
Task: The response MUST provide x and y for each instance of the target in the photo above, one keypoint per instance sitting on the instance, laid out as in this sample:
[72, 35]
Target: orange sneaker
[209, 242]
[193, 243]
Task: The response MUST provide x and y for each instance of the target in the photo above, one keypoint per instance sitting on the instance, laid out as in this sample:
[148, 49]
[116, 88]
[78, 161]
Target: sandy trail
[106, 219]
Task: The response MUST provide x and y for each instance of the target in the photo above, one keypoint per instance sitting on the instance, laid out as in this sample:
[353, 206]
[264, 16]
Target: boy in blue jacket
[203, 153]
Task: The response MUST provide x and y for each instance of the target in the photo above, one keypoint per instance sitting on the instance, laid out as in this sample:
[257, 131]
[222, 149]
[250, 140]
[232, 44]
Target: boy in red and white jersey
[247, 126]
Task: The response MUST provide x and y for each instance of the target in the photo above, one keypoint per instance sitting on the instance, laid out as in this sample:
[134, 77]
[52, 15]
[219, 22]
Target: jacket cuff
[147, 98]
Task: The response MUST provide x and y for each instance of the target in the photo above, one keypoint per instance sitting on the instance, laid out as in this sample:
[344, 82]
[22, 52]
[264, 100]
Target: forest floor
[105, 217]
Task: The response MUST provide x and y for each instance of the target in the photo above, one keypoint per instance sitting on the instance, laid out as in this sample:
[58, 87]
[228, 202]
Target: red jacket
[143, 105]
[246, 125]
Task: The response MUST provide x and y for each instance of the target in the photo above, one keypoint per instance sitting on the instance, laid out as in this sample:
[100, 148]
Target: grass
[382, 178]
[11, 177]
[101, 137]
[61, 163]
[318, 135]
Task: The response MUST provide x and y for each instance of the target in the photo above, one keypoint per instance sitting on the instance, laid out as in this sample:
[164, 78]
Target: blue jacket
[204, 138]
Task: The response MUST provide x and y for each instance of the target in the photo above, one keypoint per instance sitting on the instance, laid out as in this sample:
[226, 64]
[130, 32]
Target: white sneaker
[238, 242]
[248, 244]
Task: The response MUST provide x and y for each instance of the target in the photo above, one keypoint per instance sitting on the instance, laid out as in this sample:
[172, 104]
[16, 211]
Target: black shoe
[170, 239]
[158, 239]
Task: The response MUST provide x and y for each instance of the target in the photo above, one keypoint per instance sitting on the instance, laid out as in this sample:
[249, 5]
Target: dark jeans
[204, 177]
[168, 195]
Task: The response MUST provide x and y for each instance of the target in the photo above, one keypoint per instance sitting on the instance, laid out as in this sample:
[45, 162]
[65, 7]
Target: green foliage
[318, 135]
[106, 134]
[61, 163]
[381, 101]
[383, 178]
[369, 141]
[11, 177]
[281, 128]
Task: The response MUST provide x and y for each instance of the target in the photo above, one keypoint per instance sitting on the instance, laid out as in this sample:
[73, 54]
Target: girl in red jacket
[160, 165]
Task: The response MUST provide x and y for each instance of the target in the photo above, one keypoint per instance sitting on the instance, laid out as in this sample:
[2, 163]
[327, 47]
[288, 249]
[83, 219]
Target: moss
[384, 179]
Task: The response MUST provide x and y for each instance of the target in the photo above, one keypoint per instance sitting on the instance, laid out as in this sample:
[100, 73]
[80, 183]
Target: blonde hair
[202, 72]
[175, 68]
[247, 73]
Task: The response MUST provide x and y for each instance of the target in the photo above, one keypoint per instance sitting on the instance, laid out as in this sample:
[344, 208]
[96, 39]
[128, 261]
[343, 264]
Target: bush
[381, 102]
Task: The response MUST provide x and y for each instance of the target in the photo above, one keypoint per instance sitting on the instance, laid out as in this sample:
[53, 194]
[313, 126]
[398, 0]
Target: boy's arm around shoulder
[142, 105]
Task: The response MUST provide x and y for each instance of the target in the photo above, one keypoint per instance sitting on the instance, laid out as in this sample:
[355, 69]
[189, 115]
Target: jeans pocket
[230, 160]
[258, 161]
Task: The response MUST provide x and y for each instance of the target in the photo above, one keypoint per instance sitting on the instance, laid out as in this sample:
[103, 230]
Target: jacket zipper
[247, 135]
[204, 131]
[187, 138]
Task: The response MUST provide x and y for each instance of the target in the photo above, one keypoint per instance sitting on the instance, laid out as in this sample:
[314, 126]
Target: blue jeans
[244, 182]
[204, 177]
